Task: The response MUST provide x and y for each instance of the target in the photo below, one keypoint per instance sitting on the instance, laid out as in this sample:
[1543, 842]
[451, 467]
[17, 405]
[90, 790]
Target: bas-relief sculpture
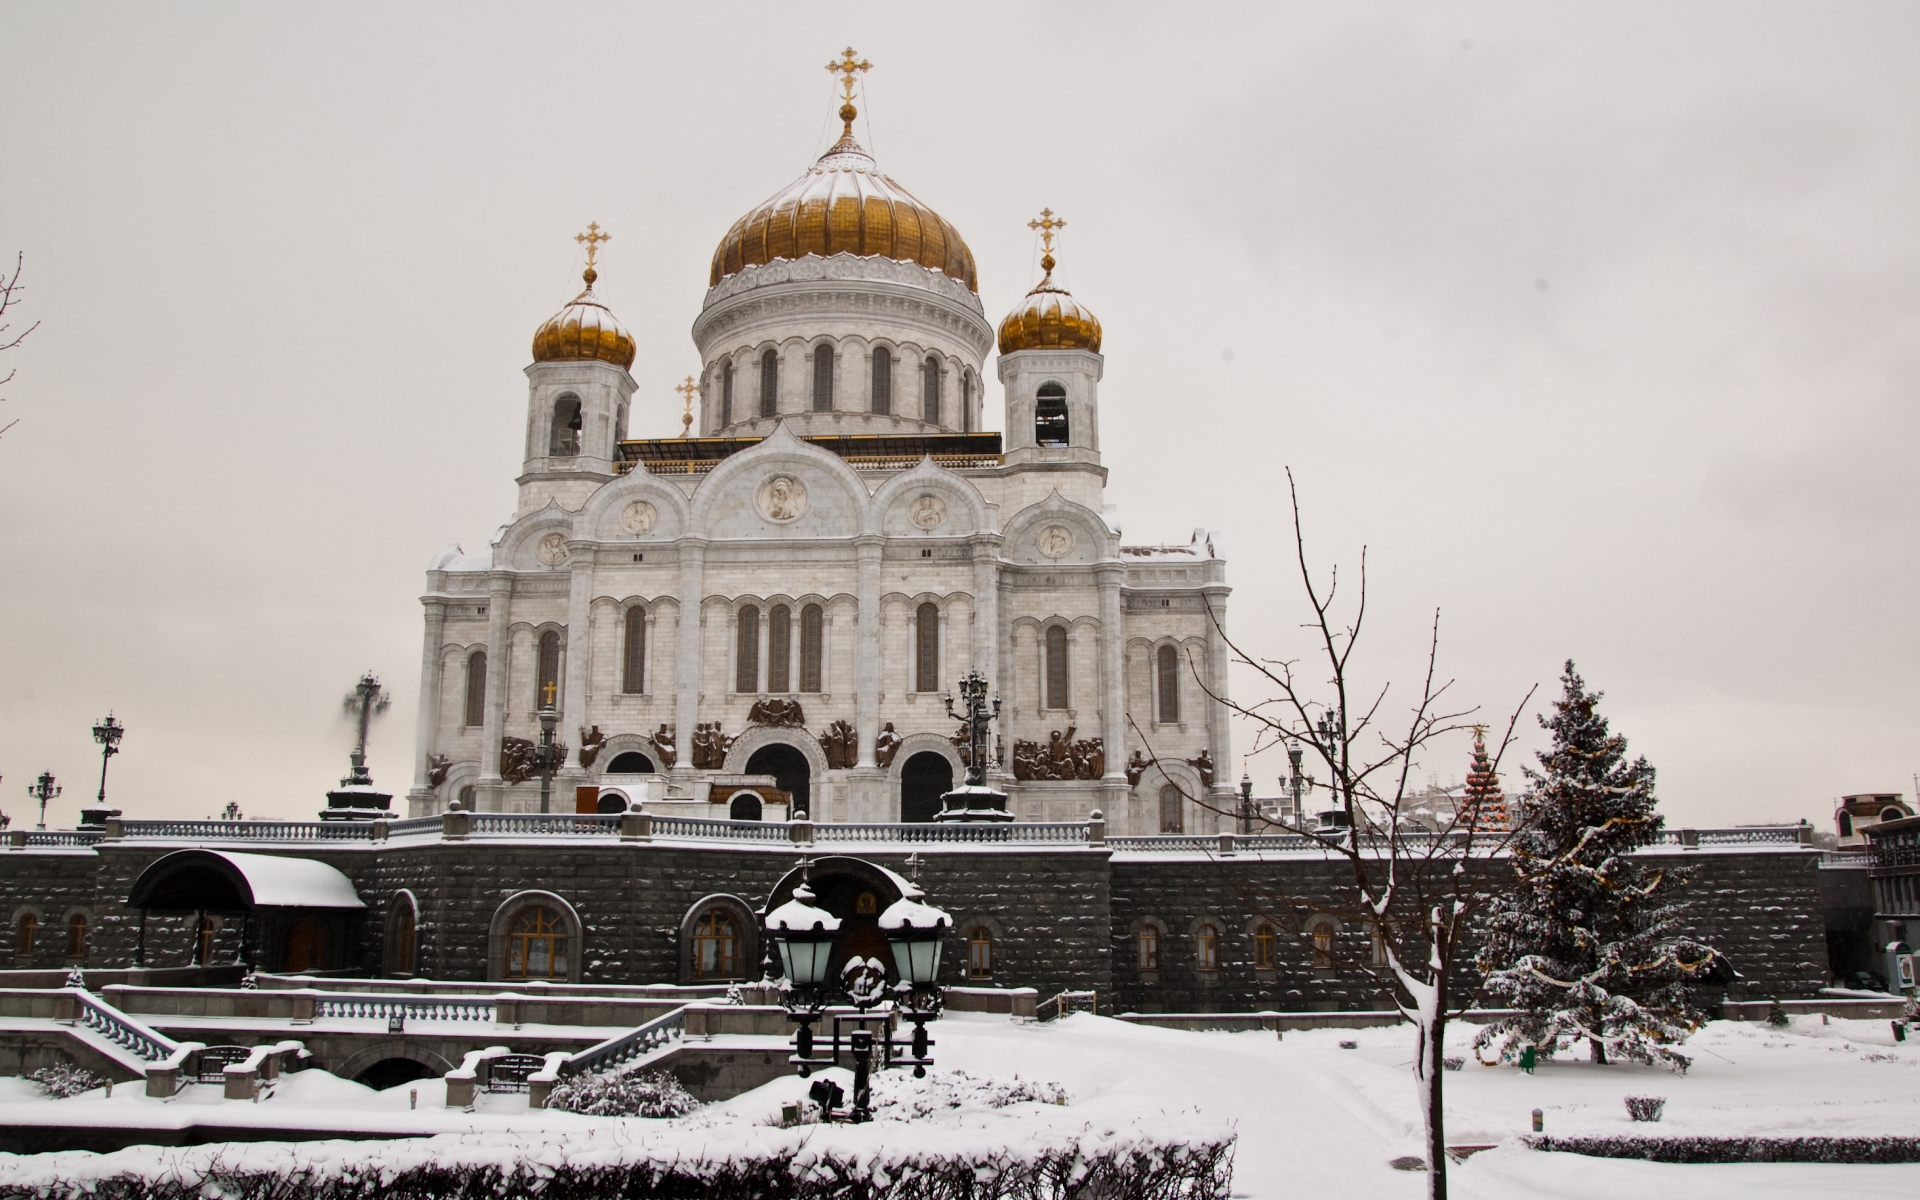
[886, 745]
[777, 713]
[638, 518]
[841, 744]
[710, 746]
[783, 498]
[663, 746]
[1061, 758]
[591, 742]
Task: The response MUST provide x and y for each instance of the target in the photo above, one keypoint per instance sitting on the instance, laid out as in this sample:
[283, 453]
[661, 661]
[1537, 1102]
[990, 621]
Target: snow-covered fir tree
[1591, 945]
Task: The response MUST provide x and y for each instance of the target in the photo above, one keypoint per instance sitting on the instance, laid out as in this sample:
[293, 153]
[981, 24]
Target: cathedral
[765, 615]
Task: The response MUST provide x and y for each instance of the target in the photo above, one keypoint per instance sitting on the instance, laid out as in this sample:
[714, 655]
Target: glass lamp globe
[804, 936]
[915, 931]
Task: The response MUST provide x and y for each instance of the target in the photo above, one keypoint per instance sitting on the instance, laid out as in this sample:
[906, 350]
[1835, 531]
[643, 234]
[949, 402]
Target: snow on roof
[278, 882]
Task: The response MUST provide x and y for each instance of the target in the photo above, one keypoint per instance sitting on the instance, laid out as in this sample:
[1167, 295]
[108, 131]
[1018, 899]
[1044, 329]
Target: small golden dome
[844, 205]
[583, 331]
[1049, 319]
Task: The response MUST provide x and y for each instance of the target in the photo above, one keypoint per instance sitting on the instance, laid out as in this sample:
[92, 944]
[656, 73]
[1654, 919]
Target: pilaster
[427, 727]
[866, 647]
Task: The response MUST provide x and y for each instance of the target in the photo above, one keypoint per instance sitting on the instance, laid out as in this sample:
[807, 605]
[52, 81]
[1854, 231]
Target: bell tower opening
[565, 439]
[1050, 415]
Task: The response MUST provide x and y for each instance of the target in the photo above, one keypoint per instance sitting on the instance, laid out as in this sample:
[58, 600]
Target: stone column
[986, 612]
[686, 700]
[499, 608]
[866, 647]
[573, 695]
[1113, 667]
[1219, 739]
[428, 727]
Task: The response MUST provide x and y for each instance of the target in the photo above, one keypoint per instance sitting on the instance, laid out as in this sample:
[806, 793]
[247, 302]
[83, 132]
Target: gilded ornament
[1049, 319]
[585, 331]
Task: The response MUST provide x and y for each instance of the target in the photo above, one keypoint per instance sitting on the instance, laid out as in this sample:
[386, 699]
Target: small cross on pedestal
[848, 68]
[1046, 224]
[548, 691]
[592, 239]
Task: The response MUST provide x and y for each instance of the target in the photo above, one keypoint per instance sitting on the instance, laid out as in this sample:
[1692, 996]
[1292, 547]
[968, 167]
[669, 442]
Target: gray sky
[1596, 324]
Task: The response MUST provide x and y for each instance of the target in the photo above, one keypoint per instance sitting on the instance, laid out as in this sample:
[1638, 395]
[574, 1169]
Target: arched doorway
[304, 947]
[744, 807]
[924, 778]
[392, 1072]
[789, 769]
[631, 762]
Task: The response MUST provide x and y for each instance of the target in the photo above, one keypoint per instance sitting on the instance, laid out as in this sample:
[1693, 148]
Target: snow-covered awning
[190, 880]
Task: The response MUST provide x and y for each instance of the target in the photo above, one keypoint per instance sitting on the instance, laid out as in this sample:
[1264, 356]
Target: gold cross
[689, 390]
[592, 238]
[1046, 225]
[848, 68]
[549, 690]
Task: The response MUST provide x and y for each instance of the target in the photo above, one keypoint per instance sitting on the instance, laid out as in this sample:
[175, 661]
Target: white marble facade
[1004, 550]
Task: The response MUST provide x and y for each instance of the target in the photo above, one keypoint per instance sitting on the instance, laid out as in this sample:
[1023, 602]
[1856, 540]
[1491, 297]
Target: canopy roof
[191, 880]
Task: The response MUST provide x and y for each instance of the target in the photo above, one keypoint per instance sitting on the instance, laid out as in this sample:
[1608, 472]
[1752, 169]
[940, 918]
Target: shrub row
[1737, 1149]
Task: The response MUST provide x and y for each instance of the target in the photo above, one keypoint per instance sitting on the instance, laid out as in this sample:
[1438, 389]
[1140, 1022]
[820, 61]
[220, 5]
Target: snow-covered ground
[1314, 1119]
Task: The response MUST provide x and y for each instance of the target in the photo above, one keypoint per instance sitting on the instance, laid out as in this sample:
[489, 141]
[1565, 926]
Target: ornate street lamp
[803, 935]
[43, 789]
[108, 733]
[356, 799]
[547, 756]
[1246, 800]
[916, 931]
[975, 800]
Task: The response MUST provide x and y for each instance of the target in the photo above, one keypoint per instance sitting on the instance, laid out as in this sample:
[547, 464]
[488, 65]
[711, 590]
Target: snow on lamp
[804, 936]
[915, 931]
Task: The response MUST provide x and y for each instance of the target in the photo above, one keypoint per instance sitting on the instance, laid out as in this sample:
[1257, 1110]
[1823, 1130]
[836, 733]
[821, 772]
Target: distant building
[1856, 813]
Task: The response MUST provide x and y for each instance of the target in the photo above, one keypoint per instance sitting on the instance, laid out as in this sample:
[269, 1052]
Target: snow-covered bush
[650, 1094]
[1736, 1149]
[63, 1081]
[1777, 1016]
[1646, 1108]
[899, 1097]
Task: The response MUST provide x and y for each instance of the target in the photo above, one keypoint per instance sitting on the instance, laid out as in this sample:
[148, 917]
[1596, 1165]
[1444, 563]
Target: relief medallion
[639, 517]
[783, 498]
[1055, 541]
[553, 549]
[928, 512]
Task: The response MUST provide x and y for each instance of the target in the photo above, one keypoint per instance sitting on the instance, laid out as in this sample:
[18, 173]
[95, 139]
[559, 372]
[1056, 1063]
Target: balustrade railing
[543, 824]
[716, 827]
[252, 831]
[120, 1029]
[63, 837]
[955, 832]
[411, 1008]
[617, 1051]
[414, 825]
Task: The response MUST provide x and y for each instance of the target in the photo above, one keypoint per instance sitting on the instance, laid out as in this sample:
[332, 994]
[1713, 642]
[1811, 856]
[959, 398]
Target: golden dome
[1049, 319]
[583, 331]
[844, 205]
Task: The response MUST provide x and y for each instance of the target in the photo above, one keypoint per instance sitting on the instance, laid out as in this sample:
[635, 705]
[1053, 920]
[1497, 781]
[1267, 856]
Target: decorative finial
[688, 390]
[1046, 224]
[592, 239]
[848, 68]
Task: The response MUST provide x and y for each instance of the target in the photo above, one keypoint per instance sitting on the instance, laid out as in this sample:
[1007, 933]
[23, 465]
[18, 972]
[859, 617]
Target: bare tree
[1416, 892]
[10, 291]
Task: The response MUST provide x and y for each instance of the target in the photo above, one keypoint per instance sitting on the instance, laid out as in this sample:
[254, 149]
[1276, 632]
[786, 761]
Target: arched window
[476, 689]
[633, 664]
[1050, 415]
[1206, 948]
[769, 384]
[537, 945]
[1846, 823]
[883, 380]
[926, 649]
[823, 378]
[746, 670]
[203, 941]
[547, 686]
[565, 439]
[1263, 948]
[401, 937]
[726, 393]
[716, 947]
[980, 953]
[1169, 674]
[779, 647]
[745, 805]
[1173, 810]
[630, 762]
[930, 390]
[1322, 946]
[1891, 814]
[1379, 947]
[23, 935]
[812, 647]
[966, 401]
[77, 935]
[468, 795]
[1148, 945]
[1056, 667]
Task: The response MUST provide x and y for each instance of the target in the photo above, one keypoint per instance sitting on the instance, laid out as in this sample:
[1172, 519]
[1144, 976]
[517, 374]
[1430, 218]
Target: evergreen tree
[1590, 945]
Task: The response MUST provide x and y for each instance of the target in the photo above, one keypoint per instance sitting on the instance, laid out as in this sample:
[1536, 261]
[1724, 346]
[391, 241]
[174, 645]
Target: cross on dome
[848, 68]
[688, 390]
[592, 239]
[1046, 224]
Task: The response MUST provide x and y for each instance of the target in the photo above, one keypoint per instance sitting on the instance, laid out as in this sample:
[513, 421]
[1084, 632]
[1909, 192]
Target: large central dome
[844, 205]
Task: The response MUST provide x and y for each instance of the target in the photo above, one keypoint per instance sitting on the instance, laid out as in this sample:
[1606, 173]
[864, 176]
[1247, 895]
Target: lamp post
[43, 789]
[547, 756]
[1246, 800]
[915, 932]
[108, 733]
[803, 936]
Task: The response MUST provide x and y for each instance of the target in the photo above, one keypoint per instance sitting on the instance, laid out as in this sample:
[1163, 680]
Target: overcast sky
[1595, 324]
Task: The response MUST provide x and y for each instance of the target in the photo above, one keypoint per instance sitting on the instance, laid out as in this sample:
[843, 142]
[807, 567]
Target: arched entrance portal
[789, 769]
[630, 763]
[924, 778]
[392, 1072]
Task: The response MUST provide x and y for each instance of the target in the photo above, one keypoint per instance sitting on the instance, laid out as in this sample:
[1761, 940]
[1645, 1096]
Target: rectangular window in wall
[1056, 682]
[633, 663]
[779, 646]
[476, 714]
[746, 674]
[926, 636]
[812, 645]
[547, 691]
